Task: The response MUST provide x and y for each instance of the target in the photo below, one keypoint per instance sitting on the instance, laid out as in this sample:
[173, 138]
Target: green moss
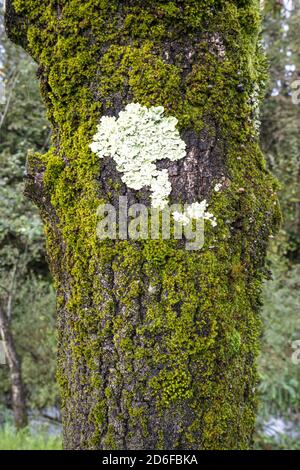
[55, 166]
[234, 342]
[174, 385]
[109, 440]
[191, 340]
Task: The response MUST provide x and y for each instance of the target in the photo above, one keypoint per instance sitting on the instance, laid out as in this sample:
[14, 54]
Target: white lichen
[181, 217]
[195, 211]
[217, 187]
[137, 139]
[254, 102]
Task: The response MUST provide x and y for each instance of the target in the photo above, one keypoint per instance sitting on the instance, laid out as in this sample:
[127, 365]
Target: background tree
[26, 298]
[281, 116]
[280, 139]
[157, 345]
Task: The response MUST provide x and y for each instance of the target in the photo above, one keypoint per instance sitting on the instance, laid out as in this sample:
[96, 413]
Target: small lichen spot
[138, 138]
[196, 210]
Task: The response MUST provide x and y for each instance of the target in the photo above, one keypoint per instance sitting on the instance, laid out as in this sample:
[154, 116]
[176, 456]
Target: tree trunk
[157, 344]
[17, 387]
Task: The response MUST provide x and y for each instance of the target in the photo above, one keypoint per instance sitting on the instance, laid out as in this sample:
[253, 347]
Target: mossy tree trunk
[157, 345]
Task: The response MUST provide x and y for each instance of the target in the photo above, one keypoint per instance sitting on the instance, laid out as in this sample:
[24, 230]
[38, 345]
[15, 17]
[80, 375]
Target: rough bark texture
[17, 387]
[157, 345]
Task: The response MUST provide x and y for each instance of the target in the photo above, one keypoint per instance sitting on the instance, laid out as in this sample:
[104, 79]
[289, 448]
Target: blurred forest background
[27, 299]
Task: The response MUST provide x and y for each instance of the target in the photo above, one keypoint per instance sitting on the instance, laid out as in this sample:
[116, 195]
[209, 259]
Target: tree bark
[17, 387]
[157, 345]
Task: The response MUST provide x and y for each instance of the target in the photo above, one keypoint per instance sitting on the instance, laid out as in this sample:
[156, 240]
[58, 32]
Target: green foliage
[24, 276]
[34, 329]
[280, 376]
[25, 439]
[280, 117]
[278, 442]
[280, 137]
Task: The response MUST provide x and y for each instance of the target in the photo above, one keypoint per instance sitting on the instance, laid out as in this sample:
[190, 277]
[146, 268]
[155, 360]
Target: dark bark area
[157, 345]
